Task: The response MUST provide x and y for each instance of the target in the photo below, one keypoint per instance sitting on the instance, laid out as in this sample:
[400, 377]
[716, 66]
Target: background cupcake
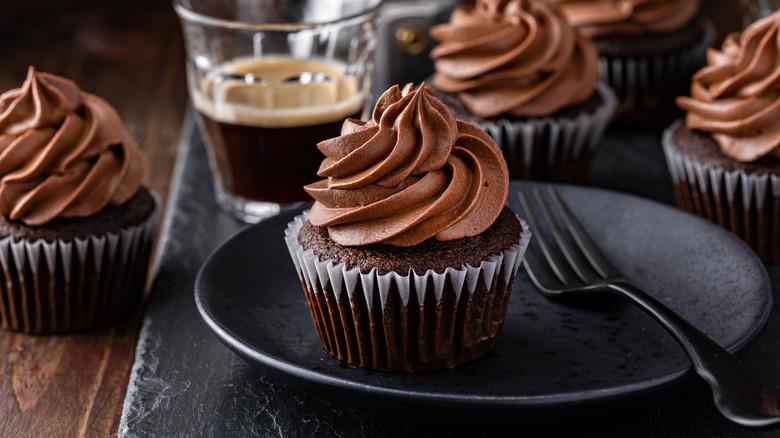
[76, 227]
[408, 255]
[520, 72]
[725, 158]
[647, 51]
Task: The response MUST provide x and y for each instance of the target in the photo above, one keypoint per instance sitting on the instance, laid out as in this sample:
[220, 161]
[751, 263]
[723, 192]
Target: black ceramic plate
[553, 360]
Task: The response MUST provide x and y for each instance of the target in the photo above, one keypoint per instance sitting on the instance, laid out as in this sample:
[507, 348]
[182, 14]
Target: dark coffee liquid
[268, 164]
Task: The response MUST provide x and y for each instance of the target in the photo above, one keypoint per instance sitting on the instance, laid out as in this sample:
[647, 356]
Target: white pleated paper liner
[747, 204]
[410, 322]
[646, 85]
[553, 149]
[70, 286]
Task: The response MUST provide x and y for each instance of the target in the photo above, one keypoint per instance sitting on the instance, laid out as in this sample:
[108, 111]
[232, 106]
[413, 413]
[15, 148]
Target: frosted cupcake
[408, 255]
[520, 72]
[725, 158]
[76, 226]
[647, 51]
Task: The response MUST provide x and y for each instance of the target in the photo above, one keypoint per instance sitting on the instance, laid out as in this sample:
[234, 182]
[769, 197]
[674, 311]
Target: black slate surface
[185, 383]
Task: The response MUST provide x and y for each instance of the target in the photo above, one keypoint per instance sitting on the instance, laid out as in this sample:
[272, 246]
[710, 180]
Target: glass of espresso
[269, 79]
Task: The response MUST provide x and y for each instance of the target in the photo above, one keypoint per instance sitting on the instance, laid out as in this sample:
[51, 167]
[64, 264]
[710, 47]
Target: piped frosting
[410, 173]
[600, 18]
[63, 152]
[515, 57]
[736, 97]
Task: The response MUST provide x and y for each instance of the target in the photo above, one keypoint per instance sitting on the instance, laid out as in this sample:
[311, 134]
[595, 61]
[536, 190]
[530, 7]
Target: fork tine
[539, 274]
[582, 238]
[533, 262]
[580, 265]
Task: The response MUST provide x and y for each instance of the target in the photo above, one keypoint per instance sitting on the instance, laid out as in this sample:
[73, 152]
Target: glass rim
[187, 14]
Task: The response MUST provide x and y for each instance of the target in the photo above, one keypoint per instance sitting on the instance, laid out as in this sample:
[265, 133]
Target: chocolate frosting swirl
[411, 173]
[736, 97]
[515, 57]
[63, 152]
[598, 18]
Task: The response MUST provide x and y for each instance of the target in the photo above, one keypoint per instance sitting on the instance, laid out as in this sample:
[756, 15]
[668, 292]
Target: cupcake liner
[70, 286]
[746, 204]
[553, 149]
[412, 322]
[645, 84]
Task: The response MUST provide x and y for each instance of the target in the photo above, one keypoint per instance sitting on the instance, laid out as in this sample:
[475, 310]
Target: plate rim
[296, 374]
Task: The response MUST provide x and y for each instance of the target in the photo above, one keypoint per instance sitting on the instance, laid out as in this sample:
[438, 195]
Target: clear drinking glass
[759, 9]
[269, 79]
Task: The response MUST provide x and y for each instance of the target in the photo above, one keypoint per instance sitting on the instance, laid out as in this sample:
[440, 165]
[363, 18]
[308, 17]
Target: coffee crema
[263, 118]
[281, 100]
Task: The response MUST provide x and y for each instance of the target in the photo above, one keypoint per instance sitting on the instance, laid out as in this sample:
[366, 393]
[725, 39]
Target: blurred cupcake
[647, 51]
[517, 70]
[76, 227]
[408, 255]
[725, 158]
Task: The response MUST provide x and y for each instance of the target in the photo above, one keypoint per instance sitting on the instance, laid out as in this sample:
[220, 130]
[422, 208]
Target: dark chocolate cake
[700, 147]
[651, 44]
[567, 113]
[109, 220]
[431, 254]
[415, 321]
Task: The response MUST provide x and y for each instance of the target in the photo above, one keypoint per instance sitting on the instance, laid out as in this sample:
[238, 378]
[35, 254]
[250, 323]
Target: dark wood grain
[129, 53]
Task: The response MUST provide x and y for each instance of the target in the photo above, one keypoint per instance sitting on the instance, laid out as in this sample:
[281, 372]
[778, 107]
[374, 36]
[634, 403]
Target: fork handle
[737, 394]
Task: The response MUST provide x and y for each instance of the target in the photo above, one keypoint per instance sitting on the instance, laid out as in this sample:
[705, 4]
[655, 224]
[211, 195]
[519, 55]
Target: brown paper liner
[550, 149]
[646, 85]
[748, 205]
[70, 286]
[411, 322]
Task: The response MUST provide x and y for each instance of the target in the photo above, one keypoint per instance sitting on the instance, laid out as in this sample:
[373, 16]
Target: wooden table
[131, 54]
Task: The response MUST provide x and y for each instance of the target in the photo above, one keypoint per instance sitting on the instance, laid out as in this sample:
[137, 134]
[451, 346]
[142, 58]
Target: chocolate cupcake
[647, 51]
[725, 159]
[408, 255]
[76, 226]
[520, 72]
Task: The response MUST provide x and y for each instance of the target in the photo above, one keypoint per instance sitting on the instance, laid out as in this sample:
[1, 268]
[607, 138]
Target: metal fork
[738, 395]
